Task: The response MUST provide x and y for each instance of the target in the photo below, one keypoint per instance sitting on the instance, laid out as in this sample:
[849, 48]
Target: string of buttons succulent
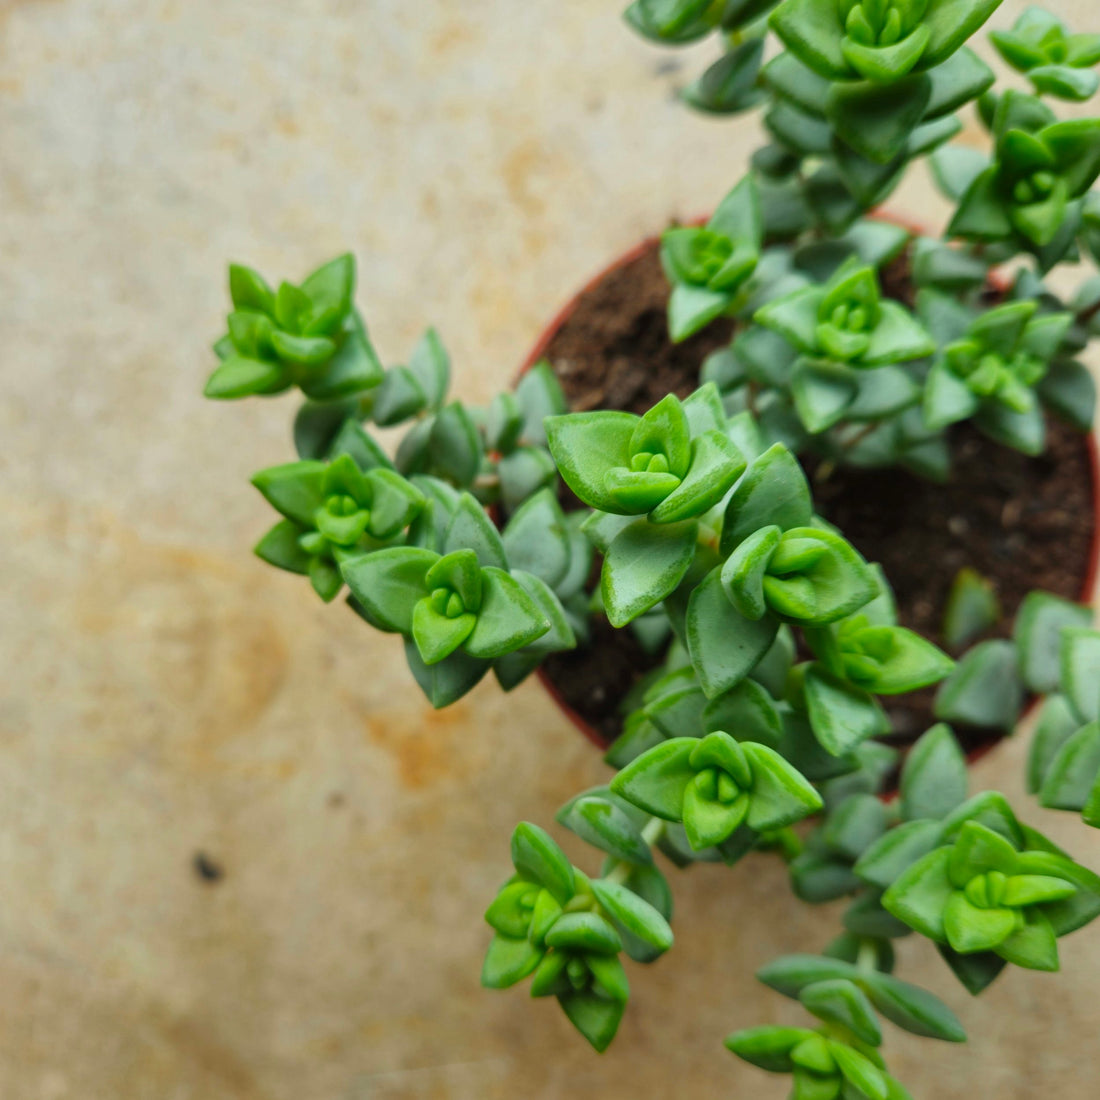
[760, 735]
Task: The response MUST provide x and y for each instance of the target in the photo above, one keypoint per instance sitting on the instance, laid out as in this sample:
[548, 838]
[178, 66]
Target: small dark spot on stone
[336, 800]
[209, 870]
[667, 68]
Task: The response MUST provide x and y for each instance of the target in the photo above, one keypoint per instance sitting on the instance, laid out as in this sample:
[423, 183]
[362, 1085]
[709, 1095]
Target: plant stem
[651, 833]
[1086, 315]
[867, 959]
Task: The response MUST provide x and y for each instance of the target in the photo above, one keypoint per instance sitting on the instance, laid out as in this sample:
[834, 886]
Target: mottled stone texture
[165, 695]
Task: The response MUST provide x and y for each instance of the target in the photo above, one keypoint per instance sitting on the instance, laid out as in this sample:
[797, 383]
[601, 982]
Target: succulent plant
[855, 341]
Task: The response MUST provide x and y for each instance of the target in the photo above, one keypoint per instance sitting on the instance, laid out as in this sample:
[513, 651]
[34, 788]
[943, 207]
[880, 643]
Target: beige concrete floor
[164, 694]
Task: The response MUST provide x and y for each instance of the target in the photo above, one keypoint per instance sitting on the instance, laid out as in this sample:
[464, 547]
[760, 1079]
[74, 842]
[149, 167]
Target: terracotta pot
[538, 352]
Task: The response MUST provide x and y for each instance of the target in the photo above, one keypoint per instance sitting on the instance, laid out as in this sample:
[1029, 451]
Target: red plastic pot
[538, 352]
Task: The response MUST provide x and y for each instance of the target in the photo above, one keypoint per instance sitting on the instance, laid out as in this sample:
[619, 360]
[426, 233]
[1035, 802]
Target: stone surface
[166, 696]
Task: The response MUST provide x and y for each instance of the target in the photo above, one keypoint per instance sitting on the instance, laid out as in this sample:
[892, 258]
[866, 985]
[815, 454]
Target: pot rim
[647, 244]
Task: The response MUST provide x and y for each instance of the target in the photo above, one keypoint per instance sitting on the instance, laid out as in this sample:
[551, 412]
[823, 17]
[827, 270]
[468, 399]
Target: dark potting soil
[1023, 522]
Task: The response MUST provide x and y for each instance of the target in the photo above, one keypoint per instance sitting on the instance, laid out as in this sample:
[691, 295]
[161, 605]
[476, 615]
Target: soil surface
[1023, 522]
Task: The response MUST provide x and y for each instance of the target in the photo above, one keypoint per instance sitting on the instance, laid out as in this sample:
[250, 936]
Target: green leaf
[790, 974]
[842, 716]
[970, 929]
[813, 32]
[1057, 724]
[609, 975]
[399, 396]
[601, 823]
[984, 689]
[508, 618]
[794, 316]
[934, 779]
[1080, 671]
[951, 23]
[634, 914]
[768, 1047]
[981, 214]
[789, 79]
[1069, 391]
[807, 134]
[781, 795]
[978, 850]
[538, 858]
[325, 578]
[595, 1017]
[310, 351]
[559, 637]
[957, 81]
[921, 894]
[989, 808]
[704, 409]
[664, 430]
[354, 367]
[895, 851]
[897, 338]
[903, 661]
[351, 439]
[839, 1001]
[729, 85]
[884, 64]
[1073, 771]
[678, 713]
[503, 422]
[436, 635]
[540, 395]
[470, 528]
[972, 608]
[644, 563]
[237, 376]
[724, 645]
[692, 308]
[1038, 632]
[639, 734]
[816, 878]
[715, 464]
[976, 972]
[1074, 912]
[431, 366]
[536, 538]
[822, 392]
[912, 1008]
[588, 446]
[586, 932]
[447, 681]
[1023, 431]
[656, 780]
[389, 583]
[330, 288]
[877, 120]
[854, 826]
[454, 444]
[749, 711]
[523, 473]
[773, 490]
[1033, 946]
[249, 289]
[859, 1071]
[280, 547]
[509, 961]
[744, 571]
[707, 821]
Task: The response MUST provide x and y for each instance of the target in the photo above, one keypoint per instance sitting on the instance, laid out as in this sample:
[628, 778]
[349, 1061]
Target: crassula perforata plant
[760, 734]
